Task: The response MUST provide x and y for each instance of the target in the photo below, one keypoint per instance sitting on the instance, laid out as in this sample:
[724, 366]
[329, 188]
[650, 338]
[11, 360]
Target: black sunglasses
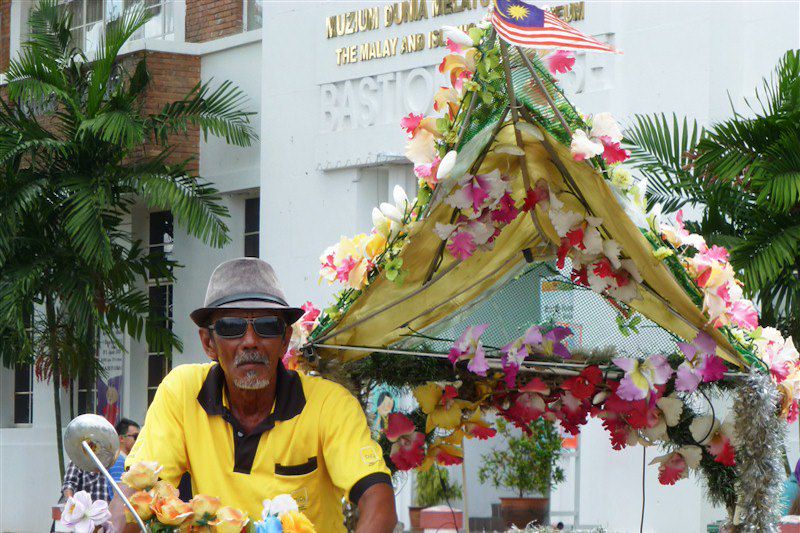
[235, 327]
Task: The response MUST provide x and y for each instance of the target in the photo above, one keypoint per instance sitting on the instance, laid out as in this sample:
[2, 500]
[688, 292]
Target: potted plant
[433, 487]
[529, 466]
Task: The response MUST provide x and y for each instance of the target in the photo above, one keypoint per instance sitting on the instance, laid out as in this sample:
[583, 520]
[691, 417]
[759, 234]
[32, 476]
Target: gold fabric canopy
[386, 310]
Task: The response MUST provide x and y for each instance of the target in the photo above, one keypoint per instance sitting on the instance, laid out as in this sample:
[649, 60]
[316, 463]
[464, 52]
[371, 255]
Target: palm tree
[744, 174]
[70, 173]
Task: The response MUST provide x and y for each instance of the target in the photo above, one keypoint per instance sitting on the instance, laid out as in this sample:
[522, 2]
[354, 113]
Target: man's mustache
[251, 357]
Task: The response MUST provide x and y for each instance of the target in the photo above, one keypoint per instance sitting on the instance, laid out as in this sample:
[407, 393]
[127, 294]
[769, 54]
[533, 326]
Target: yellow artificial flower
[142, 475]
[441, 405]
[230, 520]
[205, 507]
[141, 502]
[296, 522]
[171, 512]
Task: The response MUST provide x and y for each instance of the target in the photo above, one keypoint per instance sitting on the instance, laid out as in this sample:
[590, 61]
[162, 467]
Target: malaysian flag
[522, 24]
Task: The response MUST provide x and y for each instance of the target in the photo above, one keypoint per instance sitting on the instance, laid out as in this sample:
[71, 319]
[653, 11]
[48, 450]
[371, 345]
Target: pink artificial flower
[536, 385]
[468, 346]
[411, 123]
[743, 313]
[428, 172]
[83, 515]
[343, 271]
[675, 466]
[462, 246]
[513, 354]
[715, 437]
[506, 210]
[407, 451]
[560, 61]
[573, 412]
[458, 82]
[526, 408]
[582, 147]
[538, 194]
[702, 365]
[642, 377]
[454, 47]
[613, 152]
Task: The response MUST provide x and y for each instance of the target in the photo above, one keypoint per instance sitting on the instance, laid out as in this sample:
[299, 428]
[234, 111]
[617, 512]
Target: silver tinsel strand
[759, 447]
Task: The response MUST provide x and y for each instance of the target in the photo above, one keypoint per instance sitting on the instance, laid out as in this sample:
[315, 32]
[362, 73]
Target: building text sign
[373, 18]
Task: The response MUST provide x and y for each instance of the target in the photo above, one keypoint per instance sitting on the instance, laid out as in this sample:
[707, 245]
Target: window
[90, 18]
[23, 394]
[251, 218]
[252, 14]
[160, 299]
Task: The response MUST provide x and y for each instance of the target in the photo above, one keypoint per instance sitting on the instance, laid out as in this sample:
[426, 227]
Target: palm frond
[777, 178]
[194, 205]
[770, 248]
[219, 112]
[116, 35]
[661, 150]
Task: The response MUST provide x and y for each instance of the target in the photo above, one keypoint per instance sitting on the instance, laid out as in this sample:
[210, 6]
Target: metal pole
[465, 512]
[116, 488]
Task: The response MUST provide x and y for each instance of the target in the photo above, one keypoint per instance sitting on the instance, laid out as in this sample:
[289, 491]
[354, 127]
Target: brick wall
[171, 77]
[5, 33]
[207, 20]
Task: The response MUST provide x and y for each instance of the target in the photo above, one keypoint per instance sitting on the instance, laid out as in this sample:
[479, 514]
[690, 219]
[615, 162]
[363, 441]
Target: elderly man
[247, 429]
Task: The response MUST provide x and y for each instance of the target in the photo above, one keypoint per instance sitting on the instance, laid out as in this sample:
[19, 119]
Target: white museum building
[330, 82]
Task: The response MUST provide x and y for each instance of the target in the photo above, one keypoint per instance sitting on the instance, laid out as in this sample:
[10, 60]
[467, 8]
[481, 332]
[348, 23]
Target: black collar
[289, 397]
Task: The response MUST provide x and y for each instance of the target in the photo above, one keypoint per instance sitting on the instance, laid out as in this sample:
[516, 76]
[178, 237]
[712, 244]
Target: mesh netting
[527, 91]
[544, 295]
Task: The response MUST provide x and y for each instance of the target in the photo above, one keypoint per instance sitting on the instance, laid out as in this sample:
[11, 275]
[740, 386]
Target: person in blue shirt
[128, 431]
[790, 490]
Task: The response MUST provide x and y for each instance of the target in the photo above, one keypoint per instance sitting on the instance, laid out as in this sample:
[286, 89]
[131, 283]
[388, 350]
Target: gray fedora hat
[244, 283]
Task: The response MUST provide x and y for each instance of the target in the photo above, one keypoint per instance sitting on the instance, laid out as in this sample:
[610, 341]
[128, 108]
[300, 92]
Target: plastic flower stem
[116, 488]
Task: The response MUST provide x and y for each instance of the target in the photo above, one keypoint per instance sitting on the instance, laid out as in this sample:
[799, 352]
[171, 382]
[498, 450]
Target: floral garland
[158, 504]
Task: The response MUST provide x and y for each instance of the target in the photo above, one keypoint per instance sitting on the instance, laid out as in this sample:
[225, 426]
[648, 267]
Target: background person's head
[245, 322]
[128, 431]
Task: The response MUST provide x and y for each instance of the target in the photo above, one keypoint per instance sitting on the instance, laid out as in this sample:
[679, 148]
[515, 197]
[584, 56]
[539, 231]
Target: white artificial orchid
[444, 230]
[446, 165]
[605, 125]
[400, 199]
[612, 250]
[278, 506]
[457, 36]
[582, 147]
[83, 515]
[391, 212]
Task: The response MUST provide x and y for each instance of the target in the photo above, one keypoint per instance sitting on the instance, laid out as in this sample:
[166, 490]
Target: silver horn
[92, 444]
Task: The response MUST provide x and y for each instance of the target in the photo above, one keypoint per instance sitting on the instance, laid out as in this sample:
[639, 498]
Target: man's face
[250, 361]
[128, 439]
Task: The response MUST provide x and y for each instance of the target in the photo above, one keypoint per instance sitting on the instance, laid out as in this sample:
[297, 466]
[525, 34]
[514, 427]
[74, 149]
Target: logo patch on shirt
[369, 456]
[301, 497]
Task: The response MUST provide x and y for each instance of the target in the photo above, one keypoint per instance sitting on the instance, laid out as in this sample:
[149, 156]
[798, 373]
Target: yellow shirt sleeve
[162, 437]
[354, 461]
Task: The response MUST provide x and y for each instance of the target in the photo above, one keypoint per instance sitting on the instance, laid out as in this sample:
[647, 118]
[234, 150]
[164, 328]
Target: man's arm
[117, 510]
[73, 480]
[376, 510]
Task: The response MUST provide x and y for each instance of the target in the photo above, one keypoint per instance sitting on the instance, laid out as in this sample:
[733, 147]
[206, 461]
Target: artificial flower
[441, 404]
[277, 506]
[676, 465]
[296, 522]
[476, 427]
[613, 151]
[141, 501]
[230, 520]
[142, 475]
[665, 414]
[443, 453]
[715, 437]
[82, 515]
[513, 354]
[421, 149]
[582, 147]
[204, 507]
[446, 166]
[271, 524]
[172, 511]
[469, 346]
[462, 245]
[701, 365]
[454, 34]
[605, 125]
[560, 61]
[778, 353]
[411, 123]
[641, 377]
[407, 449]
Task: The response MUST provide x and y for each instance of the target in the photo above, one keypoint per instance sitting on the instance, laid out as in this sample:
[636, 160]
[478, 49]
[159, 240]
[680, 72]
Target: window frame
[169, 300]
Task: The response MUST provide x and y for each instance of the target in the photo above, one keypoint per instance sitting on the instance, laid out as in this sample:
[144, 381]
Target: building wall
[327, 122]
[5, 33]
[207, 20]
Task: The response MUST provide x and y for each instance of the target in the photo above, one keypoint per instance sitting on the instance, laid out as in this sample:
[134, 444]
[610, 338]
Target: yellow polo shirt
[315, 445]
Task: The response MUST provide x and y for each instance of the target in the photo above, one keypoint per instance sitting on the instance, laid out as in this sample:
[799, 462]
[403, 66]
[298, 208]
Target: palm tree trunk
[50, 309]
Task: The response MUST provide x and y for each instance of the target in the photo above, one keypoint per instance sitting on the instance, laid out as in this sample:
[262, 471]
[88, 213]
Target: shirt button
[240, 434]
